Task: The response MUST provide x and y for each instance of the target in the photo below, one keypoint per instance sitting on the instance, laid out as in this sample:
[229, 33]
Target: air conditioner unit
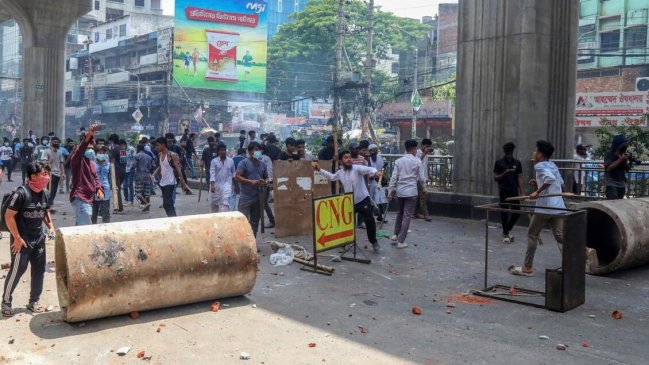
[642, 84]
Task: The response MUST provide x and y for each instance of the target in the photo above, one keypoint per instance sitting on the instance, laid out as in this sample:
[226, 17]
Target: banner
[612, 103]
[221, 45]
[333, 222]
[605, 121]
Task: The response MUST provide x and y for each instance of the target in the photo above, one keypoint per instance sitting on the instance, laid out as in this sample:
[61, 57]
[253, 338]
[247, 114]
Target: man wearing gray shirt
[352, 178]
[403, 183]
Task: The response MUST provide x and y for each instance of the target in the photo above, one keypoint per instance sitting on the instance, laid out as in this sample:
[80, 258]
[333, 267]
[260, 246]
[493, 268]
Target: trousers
[33, 254]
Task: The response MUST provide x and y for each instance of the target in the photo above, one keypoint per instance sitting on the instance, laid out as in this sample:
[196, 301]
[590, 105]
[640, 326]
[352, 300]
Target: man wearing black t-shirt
[508, 173]
[26, 217]
[616, 165]
[209, 153]
[118, 158]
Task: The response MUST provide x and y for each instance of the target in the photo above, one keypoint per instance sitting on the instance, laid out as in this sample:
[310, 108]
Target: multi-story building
[279, 12]
[10, 76]
[446, 55]
[613, 58]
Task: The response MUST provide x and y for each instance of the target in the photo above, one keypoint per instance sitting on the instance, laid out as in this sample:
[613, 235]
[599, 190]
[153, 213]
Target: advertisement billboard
[611, 108]
[221, 45]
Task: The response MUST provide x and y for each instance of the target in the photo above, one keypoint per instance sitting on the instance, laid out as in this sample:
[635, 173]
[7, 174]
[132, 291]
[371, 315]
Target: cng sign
[333, 224]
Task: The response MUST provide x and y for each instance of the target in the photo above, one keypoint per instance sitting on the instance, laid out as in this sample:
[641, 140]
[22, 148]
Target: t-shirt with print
[252, 171]
[119, 156]
[29, 218]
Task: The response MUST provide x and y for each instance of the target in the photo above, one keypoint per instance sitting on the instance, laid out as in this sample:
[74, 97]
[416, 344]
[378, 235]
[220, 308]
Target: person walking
[221, 181]
[403, 185]
[85, 183]
[6, 155]
[128, 185]
[143, 164]
[268, 188]
[508, 172]
[118, 159]
[352, 178]
[548, 181]
[26, 157]
[27, 217]
[168, 169]
[54, 157]
[252, 175]
[101, 207]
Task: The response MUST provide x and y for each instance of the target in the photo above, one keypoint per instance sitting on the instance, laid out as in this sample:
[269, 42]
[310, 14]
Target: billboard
[221, 45]
[615, 108]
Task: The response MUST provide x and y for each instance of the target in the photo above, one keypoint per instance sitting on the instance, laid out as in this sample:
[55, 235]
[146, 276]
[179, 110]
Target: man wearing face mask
[6, 155]
[54, 158]
[85, 183]
[102, 206]
[616, 165]
[27, 218]
[44, 146]
[252, 174]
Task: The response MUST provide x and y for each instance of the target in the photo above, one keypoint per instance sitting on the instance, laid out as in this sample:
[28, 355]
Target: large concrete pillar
[44, 25]
[516, 77]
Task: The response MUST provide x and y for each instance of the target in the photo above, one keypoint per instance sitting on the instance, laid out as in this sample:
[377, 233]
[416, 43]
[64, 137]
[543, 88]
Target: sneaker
[145, 206]
[506, 239]
[270, 225]
[394, 237]
[376, 247]
[129, 204]
[402, 245]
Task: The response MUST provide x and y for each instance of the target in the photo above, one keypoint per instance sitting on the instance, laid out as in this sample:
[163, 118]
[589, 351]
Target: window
[109, 33]
[122, 30]
[635, 37]
[296, 6]
[139, 3]
[113, 13]
[610, 41]
[117, 1]
[68, 96]
[155, 4]
[96, 37]
[279, 6]
[97, 4]
[395, 67]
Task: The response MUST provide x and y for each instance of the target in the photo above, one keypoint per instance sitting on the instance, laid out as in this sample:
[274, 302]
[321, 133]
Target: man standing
[54, 158]
[85, 183]
[548, 182]
[352, 178]
[101, 207]
[26, 156]
[221, 181]
[26, 217]
[251, 175]
[376, 191]
[143, 168]
[327, 153]
[272, 150]
[300, 146]
[268, 188]
[616, 165]
[190, 151]
[421, 211]
[128, 187]
[579, 183]
[6, 155]
[291, 152]
[68, 170]
[118, 159]
[209, 152]
[252, 137]
[169, 166]
[508, 172]
[354, 155]
[38, 151]
[403, 185]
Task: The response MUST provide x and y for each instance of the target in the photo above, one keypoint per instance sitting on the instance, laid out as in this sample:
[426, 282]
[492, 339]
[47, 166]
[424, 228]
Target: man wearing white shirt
[404, 182]
[548, 182]
[422, 205]
[352, 178]
[221, 180]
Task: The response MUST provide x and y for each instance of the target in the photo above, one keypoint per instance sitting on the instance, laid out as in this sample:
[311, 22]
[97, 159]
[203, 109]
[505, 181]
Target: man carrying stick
[549, 187]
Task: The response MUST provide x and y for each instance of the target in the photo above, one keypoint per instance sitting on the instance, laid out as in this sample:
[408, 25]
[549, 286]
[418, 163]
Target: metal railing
[440, 170]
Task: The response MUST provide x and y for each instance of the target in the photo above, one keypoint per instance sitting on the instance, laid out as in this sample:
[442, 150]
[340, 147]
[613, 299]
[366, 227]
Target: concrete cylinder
[111, 269]
[617, 234]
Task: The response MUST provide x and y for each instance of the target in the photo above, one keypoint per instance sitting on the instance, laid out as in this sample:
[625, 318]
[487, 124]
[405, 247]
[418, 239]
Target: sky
[404, 8]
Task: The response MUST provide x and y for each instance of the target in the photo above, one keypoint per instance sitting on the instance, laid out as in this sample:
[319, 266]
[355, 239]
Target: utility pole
[337, 69]
[415, 93]
[367, 97]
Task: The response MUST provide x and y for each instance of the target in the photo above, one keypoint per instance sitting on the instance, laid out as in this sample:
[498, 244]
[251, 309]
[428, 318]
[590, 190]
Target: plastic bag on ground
[284, 256]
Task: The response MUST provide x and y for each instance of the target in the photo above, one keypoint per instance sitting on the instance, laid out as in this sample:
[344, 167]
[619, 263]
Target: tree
[301, 54]
[445, 90]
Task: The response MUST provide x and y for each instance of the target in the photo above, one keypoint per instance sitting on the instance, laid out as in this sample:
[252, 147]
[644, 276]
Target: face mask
[89, 154]
[44, 143]
[101, 157]
[39, 183]
[257, 155]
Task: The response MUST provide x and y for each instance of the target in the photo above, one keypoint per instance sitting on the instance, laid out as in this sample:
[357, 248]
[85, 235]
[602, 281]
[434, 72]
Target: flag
[198, 115]
[416, 101]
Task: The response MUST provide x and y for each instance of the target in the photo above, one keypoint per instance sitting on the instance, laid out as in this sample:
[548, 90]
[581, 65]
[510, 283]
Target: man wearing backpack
[27, 217]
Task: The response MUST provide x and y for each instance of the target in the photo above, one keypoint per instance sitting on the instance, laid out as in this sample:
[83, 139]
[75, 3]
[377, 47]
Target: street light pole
[414, 92]
[138, 84]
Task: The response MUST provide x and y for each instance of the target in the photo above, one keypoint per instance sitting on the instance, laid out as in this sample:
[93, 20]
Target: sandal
[7, 311]
[517, 270]
[35, 307]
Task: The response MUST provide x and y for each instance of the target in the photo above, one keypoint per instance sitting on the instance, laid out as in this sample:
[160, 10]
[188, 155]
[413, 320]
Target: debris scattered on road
[312, 344]
[49, 308]
[352, 305]
[585, 344]
[140, 354]
[336, 259]
[448, 311]
[591, 316]
[134, 315]
[225, 305]
[416, 310]
[215, 306]
[364, 330]
[5, 266]
[254, 305]
[123, 350]
[562, 347]
[513, 291]
[159, 329]
[617, 314]
[543, 337]
[450, 305]
[244, 356]
[12, 340]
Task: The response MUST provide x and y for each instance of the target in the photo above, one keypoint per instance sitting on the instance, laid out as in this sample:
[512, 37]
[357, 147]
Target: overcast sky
[405, 8]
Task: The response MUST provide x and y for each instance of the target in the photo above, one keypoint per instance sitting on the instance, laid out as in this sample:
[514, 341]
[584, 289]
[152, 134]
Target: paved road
[295, 308]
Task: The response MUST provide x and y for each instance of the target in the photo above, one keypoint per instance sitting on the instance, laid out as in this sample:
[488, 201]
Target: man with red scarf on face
[28, 220]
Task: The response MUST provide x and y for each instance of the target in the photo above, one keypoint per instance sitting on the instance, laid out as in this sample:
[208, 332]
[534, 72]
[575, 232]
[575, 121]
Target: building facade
[279, 13]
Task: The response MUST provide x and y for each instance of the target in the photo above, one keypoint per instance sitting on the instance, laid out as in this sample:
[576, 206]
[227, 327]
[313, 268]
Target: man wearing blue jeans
[85, 183]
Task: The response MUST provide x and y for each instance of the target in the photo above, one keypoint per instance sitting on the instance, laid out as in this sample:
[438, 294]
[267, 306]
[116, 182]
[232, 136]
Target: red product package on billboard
[222, 57]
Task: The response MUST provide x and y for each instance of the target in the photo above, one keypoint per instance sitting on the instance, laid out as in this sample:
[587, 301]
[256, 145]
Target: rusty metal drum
[110, 269]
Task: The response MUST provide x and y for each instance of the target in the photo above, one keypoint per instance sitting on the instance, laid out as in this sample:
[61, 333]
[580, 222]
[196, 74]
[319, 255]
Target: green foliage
[637, 136]
[446, 91]
[301, 55]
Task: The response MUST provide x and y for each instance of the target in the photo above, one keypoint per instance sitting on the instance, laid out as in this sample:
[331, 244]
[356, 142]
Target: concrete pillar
[516, 77]
[44, 25]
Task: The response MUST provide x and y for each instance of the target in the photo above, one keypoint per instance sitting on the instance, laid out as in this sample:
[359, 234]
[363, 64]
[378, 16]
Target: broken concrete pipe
[117, 268]
[617, 234]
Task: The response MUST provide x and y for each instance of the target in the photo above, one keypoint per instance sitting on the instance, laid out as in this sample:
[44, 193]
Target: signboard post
[334, 226]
